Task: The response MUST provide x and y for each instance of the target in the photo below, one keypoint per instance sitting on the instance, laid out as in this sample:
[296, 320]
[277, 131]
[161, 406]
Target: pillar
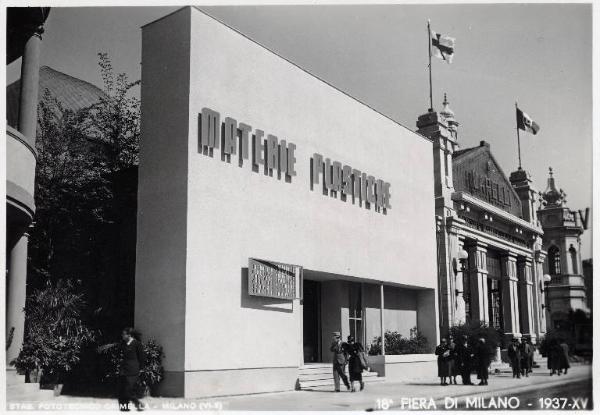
[526, 298]
[15, 297]
[30, 79]
[540, 291]
[460, 307]
[381, 319]
[478, 281]
[510, 297]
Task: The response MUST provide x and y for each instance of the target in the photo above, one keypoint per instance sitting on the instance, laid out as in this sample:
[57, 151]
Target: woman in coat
[452, 361]
[483, 356]
[563, 357]
[442, 353]
[356, 363]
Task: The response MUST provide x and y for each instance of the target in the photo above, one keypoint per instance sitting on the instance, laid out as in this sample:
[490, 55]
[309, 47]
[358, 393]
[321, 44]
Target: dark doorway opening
[311, 321]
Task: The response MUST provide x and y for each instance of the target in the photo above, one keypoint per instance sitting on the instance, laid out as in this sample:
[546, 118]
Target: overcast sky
[537, 54]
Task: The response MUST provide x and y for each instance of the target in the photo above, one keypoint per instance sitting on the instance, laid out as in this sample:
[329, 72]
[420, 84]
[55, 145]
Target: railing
[567, 280]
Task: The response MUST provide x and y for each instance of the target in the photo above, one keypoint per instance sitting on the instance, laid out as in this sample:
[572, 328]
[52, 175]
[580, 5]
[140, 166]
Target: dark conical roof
[73, 93]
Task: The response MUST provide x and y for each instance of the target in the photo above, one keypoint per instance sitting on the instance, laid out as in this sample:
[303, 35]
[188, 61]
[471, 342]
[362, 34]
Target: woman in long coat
[355, 364]
[452, 361]
[442, 353]
[563, 356]
[483, 355]
[553, 352]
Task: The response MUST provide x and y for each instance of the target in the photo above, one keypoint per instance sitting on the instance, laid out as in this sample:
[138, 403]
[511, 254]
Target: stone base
[227, 382]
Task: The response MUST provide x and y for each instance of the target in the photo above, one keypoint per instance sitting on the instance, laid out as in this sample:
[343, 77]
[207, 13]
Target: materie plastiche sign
[273, 279]
[277, 158]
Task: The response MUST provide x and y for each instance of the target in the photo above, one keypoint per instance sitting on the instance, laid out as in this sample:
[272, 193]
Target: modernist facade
[492, 221]
[271, 212]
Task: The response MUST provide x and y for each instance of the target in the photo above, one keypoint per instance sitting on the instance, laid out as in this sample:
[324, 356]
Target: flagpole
[430, 87]
[518, 137]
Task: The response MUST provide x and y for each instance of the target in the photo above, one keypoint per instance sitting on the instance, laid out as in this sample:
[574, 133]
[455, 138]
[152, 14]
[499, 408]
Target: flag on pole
[443, 46]
[525, 123]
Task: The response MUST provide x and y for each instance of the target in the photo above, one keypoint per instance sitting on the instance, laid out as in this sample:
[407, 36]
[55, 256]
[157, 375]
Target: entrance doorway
[311, 321]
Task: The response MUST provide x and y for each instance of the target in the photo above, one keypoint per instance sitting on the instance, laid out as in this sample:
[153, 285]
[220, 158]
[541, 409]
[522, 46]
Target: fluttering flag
[442, 46]
[525, 123]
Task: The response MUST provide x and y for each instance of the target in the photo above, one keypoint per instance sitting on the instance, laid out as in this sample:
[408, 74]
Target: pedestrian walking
[357, 362]
[526, 357]
[451, 361]
[514, 355]
[442, 353]
[132, 361]
[563, 353]
[340, 358]
[464, 358]
[483, 355]
[553, 351]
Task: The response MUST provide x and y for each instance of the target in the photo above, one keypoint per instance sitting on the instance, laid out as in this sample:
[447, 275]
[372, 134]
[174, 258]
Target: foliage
[476, 329]
[55, 333]
[79, 197]
[395, 343]
[152, 371]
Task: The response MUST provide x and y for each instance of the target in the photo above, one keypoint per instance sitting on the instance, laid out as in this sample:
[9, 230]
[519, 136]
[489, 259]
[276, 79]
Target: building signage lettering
[273, 279]
[489, 190]
[237, 138]
[348, 181]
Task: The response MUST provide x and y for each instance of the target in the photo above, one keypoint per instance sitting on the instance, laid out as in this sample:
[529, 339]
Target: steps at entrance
[19, 391]
[317, 376]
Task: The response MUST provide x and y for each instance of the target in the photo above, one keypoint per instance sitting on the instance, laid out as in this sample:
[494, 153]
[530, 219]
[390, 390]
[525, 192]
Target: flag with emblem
[526, 123]
[442, 46]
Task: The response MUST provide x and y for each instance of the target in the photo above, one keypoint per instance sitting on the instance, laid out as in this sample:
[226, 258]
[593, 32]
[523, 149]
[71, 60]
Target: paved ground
[425, 394]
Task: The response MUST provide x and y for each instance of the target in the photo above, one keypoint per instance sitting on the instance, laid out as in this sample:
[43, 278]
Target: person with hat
[443, 352]
[356, 363]
[515, 356]
[526, 356]
[483, 354]
[340, 358]
[464, 353]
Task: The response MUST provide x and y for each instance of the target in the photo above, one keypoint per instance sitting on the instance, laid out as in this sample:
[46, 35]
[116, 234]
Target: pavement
[420, 394]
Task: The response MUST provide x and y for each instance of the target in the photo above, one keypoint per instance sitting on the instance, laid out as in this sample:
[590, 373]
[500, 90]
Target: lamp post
[544, 288]
[460, 310]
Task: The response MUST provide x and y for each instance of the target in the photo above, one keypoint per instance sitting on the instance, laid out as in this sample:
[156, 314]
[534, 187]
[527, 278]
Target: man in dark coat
[526, 357]
[340, 358]
[515, 356]
[464, 354]
[553, 352]
[483, 357]
[132, 361]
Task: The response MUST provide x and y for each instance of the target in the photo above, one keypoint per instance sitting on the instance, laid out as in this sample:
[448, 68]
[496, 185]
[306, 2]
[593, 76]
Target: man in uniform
[340, 358]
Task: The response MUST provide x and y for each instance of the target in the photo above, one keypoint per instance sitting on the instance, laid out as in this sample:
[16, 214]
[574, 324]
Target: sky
[539, 55]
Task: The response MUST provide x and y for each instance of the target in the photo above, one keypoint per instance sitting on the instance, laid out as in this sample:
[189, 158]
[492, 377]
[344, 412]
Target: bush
[152, 371]
[474, 330]
[55, 333]
[396, 344]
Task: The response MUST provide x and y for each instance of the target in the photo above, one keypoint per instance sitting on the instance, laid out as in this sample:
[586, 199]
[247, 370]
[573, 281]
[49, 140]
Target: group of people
[462, 358]
[557, 352]
[350, 353]
[520, 354]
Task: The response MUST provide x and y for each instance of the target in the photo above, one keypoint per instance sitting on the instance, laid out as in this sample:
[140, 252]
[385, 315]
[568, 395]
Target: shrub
[395, 343]
[474, 330]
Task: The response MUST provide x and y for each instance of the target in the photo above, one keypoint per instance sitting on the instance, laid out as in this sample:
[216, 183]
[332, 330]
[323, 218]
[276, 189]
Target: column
[478, 281]
[381, 320]
[540, 293]
[15, 297]
[30, 79]
[460, 308]
[526, 298]
[510, 298]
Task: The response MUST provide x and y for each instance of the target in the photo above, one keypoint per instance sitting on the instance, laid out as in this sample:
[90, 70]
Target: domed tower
[562, 242]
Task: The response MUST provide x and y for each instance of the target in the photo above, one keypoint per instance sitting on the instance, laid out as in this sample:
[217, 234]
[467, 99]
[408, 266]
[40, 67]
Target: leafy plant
[476, 329]
[152, 372]
[396, 344]
[55, 332]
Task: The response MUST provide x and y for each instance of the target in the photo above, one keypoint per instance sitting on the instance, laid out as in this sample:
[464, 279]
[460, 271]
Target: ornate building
[562, 227]
[489, 241]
